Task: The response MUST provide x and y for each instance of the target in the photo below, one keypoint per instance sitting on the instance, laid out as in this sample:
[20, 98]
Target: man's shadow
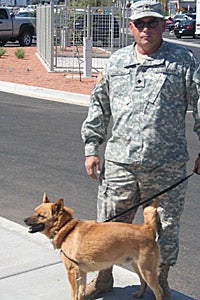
[127, 292]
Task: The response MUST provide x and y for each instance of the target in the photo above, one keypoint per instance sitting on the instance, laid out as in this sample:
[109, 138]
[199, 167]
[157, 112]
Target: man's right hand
[92, 166]
[197, 165]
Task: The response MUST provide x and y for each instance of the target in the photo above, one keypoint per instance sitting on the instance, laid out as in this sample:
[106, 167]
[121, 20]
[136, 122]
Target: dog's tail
[150, 215]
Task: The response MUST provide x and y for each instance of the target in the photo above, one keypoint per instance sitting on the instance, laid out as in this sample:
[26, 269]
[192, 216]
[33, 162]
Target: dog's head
[49, 217]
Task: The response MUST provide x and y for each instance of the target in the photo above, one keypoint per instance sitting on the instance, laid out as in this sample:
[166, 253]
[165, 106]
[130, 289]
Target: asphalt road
[193, 44]
[41, 150]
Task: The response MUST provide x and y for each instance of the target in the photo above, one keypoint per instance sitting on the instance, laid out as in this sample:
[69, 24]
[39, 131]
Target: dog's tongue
[30, 229]
[36, 228]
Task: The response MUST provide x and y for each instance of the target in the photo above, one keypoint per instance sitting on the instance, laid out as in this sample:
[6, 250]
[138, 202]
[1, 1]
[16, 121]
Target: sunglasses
[150, 24]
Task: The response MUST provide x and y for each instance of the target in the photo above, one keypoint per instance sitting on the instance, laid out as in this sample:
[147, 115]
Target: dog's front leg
[72, 281]
[69, 266]
[77, 282]
[71, 273]
[80, 284]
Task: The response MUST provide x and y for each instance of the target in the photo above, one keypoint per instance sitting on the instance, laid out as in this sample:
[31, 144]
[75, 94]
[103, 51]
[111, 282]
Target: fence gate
[80, 40]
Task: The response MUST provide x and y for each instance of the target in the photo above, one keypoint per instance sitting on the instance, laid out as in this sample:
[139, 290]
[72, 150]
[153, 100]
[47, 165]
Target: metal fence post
[87, 48]
[51, 36]
[87, 57]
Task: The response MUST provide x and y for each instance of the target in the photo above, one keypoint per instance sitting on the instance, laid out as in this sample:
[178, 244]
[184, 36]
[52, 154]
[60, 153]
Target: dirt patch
[30, 71]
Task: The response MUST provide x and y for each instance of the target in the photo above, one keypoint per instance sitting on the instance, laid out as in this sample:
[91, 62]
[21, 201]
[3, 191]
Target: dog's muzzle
[34, 227]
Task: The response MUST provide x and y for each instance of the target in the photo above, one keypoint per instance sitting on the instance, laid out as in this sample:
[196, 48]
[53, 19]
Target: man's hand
[197, 165]
[92, 166]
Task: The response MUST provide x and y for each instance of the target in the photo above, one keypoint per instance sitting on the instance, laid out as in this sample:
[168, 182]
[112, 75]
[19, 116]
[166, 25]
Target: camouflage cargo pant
[123, 186]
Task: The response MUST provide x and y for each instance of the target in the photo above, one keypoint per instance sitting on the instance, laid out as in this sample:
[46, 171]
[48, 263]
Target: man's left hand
[197, 165]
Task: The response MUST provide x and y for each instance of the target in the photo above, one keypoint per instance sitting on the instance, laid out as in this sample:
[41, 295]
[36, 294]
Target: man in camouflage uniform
[146, 89]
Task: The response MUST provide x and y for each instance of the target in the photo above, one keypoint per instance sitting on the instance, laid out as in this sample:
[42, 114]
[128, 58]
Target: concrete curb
[43, 93]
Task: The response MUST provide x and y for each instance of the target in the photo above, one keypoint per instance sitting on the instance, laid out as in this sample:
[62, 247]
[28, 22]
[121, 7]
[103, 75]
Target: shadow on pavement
[118, 293]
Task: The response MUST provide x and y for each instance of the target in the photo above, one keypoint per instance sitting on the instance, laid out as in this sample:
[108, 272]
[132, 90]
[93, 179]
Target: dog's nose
[26, 221]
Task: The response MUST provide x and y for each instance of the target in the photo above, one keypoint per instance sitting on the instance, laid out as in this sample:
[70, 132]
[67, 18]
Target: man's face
[147, 33]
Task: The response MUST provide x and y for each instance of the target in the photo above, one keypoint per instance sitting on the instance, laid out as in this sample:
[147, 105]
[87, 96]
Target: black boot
[163, 276]
[102, 283]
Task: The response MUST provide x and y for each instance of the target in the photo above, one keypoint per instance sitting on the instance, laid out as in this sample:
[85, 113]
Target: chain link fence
[80, 40]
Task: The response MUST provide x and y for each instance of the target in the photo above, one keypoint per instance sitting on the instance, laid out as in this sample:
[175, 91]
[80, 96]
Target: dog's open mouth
[36, 228]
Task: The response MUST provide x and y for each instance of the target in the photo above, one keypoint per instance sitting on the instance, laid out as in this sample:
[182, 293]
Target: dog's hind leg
[143, 286]
[151, 278]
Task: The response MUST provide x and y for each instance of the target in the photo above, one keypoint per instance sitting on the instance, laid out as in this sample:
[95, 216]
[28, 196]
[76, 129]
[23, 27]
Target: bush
[2, 51]
[20, 53]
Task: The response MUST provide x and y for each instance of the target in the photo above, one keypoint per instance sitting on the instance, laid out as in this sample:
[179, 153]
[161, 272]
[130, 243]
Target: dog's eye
[40, 216]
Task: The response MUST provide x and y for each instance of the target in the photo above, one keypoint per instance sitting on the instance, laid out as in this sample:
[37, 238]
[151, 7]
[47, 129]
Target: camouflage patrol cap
[146, 8]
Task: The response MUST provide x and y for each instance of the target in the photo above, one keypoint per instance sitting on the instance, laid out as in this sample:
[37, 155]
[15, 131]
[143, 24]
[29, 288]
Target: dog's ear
[45, 199]
[68, 210]
[57, 205]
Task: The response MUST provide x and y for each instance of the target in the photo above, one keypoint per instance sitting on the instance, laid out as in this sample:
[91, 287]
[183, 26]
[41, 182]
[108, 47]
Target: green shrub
[20, 53]
[2, 51]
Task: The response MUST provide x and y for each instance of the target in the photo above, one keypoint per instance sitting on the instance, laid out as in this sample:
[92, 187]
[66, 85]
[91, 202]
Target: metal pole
[51, 35]
[87, 48]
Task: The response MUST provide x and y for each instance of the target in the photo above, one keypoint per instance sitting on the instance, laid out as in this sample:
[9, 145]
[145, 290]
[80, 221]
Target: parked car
[191, 15]
[180, 17]
[26, 14]
[185, 28]
[16, 29]
[168, 22]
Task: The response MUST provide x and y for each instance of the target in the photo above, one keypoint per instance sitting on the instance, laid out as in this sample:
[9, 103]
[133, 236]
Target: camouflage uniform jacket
[148, 104]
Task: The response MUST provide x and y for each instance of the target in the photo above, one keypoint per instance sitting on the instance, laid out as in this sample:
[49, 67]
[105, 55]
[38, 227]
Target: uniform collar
[156, 58]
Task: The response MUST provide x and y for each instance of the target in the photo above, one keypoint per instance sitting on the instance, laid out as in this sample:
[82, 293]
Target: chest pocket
[161, 82]
[120, 83]
[174, 85]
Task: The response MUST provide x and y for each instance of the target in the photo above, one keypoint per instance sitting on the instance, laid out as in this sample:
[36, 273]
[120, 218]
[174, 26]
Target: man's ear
[57, 205]
[130, 25]
[164, 25]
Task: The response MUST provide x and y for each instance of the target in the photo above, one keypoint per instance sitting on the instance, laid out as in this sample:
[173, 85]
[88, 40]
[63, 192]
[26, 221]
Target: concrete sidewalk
[29, 266]
[31, 269]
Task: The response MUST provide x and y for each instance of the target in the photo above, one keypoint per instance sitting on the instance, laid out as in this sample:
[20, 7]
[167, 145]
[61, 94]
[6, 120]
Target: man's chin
[146, 40]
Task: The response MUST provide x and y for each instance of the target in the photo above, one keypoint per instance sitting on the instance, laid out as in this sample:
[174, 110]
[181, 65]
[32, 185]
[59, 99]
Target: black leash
[136, 206]
[69, 258]
[151, 198]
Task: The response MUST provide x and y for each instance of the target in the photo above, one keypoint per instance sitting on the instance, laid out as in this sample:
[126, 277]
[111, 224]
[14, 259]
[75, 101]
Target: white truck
[197, 31]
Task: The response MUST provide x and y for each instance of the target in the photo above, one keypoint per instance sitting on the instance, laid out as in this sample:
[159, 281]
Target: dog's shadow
[127, 292]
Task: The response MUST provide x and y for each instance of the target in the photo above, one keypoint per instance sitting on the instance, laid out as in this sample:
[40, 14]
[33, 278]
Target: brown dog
[88, 246]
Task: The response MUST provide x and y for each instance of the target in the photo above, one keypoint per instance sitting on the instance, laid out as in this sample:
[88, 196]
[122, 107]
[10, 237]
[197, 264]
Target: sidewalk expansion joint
[30, 270]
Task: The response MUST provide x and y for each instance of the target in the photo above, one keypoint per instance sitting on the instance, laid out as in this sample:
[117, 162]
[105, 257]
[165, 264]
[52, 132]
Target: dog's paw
[138, 294]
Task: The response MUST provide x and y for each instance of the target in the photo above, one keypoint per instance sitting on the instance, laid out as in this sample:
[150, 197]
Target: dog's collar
[58, 228]
[60, 234]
